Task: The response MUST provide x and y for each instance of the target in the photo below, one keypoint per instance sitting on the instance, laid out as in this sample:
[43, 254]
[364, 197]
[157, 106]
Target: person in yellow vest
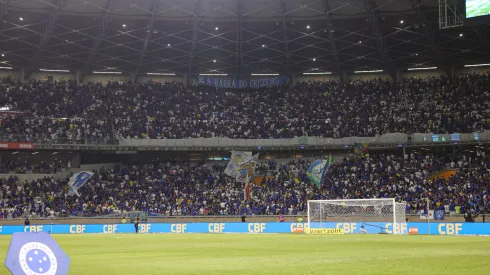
[458, 209]
[123, 221]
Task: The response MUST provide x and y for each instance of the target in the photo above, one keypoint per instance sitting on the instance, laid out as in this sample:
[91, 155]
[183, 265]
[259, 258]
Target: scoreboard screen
[475, 8]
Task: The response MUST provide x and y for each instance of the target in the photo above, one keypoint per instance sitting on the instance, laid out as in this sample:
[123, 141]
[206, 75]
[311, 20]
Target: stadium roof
[237, 37]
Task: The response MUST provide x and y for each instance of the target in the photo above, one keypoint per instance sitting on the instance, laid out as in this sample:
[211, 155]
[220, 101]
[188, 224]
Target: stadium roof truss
[235, 37]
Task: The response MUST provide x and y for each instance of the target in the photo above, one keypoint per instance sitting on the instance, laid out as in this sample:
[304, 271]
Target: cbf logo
[37, 258]
[36, 253]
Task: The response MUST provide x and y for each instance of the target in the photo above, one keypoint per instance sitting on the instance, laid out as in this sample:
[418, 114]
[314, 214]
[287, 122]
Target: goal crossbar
[365, 216]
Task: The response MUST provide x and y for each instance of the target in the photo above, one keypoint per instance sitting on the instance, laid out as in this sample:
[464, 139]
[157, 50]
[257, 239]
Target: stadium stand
[185, 189]
[63, 112]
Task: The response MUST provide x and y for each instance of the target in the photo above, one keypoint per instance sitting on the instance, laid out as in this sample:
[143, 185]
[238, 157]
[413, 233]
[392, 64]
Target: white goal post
[356, 216]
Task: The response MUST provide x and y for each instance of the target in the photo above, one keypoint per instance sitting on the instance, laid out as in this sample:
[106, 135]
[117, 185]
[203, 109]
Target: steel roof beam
[101, 36]
[331, 38]
[4, 8]
[54, 10]
[195, 31]
[149, 33]
[373, 14]
[420, 10]
[239, 42]
[285, 35]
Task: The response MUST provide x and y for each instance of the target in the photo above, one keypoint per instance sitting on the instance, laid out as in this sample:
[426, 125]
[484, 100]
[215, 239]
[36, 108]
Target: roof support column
[331, 39]
[50, 29]
[285, 36]
[149, 33]
[374, 18]
[195, 31]
[419, 9]
[100, 37]
[239, 42]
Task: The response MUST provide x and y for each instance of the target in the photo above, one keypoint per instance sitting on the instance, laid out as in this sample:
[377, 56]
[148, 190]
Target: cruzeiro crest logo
[37, 259]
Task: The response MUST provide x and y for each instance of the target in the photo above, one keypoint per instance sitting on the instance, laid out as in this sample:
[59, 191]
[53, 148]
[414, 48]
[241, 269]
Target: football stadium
[244, 137]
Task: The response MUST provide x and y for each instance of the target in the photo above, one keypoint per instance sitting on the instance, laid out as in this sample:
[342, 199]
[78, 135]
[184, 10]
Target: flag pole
[428, 222]
[246, 186]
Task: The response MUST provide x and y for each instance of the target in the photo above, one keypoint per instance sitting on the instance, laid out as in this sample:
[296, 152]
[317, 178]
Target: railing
[386, 140]
[59, 141]
[202, 218]
[393, 139]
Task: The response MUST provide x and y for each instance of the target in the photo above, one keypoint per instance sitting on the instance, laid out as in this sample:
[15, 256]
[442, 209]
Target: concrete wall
[421, 74]
[471, 70]
[104, 78]
[193, 80]
[96, 167]
[15, 75]
[161, 79]
[306, 78]
[368, 76]
[56, 76]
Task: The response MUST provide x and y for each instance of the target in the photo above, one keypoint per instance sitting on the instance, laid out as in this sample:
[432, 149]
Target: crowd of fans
[66, 112]
[174, 189]
[56, 112]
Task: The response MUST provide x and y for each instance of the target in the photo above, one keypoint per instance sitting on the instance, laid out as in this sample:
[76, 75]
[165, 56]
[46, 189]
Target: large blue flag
[78, 180]
[317, 170]
[325, 168]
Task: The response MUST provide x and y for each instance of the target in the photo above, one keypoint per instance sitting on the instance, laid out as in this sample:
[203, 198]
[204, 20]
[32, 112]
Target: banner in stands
[16, 145]
[232, 83]
[286, 227]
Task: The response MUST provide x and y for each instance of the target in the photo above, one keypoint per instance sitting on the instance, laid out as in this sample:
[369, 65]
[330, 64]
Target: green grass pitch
[271, 254]
[477, 8]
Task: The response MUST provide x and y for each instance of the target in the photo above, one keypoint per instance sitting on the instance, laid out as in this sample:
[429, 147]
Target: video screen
[475, 8]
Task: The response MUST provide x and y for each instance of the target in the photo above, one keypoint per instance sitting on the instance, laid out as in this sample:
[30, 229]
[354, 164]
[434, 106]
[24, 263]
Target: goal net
[362, 216]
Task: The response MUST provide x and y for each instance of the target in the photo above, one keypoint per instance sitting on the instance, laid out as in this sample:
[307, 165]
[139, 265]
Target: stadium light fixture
[308, 27]
[476, 65]
[421, 68]
[360, 42]
[160, 73]
[106, 72]
[314, 59]
[168, 45]
[214, 61]
[263, 46]
[3, 55]
[21, 18]
[417, 54]
[369, 71]
[460, 35]
[54, 70]
[264, 74]
[216, 28]
[401, 21]
[319, 73]
[6, 68]
[214, 74]
[124, 25]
